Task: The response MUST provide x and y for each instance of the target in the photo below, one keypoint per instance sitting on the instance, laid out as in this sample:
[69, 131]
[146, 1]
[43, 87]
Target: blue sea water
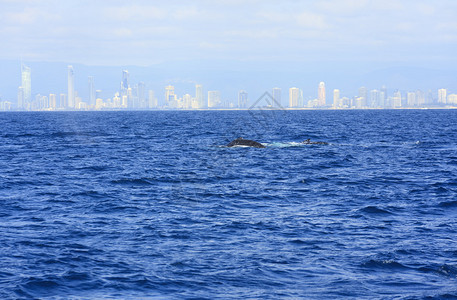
[151, 205]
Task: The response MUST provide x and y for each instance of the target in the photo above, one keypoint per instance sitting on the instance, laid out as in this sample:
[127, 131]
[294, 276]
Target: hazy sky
[231, 44]
[142, 33]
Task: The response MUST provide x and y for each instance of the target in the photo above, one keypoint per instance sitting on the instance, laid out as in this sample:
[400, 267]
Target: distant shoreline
[233, 109]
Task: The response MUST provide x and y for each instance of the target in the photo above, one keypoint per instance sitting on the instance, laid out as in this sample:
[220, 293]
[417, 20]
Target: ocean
[152, 205]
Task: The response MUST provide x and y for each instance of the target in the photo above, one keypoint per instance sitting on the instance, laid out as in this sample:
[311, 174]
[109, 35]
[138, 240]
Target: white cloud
[253, 34]
[232, 27]
[186, 13]
[30, 15]
[341, 7]
[134, 13]
[311, 20]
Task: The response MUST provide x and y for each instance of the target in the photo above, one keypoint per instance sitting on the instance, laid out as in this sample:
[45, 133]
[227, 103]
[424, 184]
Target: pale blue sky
[244, 44]
[148, 32]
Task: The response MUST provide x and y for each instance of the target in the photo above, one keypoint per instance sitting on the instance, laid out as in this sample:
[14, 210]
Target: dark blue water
[150, 205]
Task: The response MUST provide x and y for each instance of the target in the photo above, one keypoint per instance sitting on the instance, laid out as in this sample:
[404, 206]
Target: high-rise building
[142, 95]
[363, 94]
[382, 99]
[442, 96]
[63, 101]
[52, 101]
[214, 99]
[71, 87]
[26, 76]
[420, 98]
[452, 99]
[199, 96]
[294, 95]
[276, 97]
[374, 98]
[430, 99]
[336, 98]
[152, 100]
[411, 99]
[242, 99]
[125, 81]
[321, 94]
[20, 98]
[186, 101]
[383, 96]
[92, 95]
[170, 97]
[397, 99]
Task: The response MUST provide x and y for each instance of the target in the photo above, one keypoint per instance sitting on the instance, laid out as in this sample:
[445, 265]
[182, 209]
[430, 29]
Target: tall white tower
[199, 96]
[294, 95]
[321, 94]
[26, 76]
[336, 98]
[442, 96]
[214, 99]
[92, 96]
[276, 97]
[242, 99]
[71, 87]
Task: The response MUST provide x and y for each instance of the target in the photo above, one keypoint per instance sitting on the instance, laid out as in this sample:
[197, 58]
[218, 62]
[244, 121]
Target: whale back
[243, 142]
[309, 142]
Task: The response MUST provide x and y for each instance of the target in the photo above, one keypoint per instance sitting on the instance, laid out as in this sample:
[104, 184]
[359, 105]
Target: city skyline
[230, 45]
[136, 96]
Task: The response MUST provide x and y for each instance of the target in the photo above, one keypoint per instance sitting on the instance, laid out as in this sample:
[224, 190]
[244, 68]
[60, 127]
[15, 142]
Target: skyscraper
[214, 99]
[276, 97]
[199, 96]
[452, 99]
[125, 80]
[336, 98]
[420, 98]
[63, 101]
[52, 101]
[92, 95]
[442, 96]
[152, 100]
[142, 95]
[242, 99]
[383, 96]
[294, 95]
[170, 97]
[71, 87]
[397, 99]
[363, 95]
[20, 97]
[26, 76]
[321, 94]
[411, 99]
[374, 98]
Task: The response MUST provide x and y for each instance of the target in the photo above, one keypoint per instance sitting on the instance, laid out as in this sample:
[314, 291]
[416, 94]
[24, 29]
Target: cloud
[341, 7]
[311, 20]
[224, 29]
[134, 13]
[29, 15]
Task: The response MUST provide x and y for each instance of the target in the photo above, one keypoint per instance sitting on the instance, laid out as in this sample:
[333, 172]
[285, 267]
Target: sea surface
[152, 205]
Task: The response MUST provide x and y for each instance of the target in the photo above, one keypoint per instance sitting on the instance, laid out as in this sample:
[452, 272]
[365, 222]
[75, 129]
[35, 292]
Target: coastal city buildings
[276, 95]
[242, 99]
[71, 87]
[321, 94]
[294, 97]
[137, 96]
